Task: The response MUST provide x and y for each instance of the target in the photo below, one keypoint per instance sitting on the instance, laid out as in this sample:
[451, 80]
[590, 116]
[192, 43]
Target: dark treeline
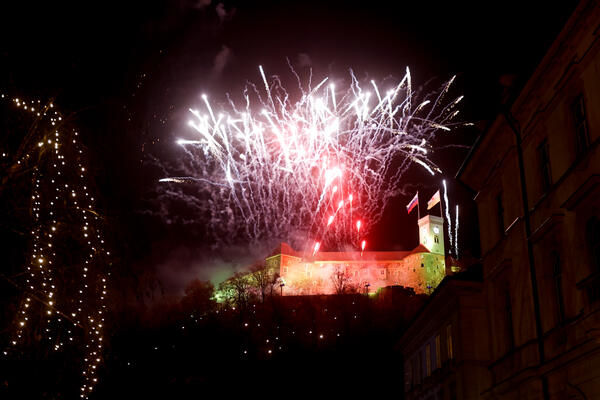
[183, 348]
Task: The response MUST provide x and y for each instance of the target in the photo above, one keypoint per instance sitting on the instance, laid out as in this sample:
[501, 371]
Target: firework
[447, 210]
[273, 168]
[456, 233]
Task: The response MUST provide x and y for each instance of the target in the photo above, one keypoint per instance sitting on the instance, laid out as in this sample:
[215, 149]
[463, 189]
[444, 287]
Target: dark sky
[132, 68]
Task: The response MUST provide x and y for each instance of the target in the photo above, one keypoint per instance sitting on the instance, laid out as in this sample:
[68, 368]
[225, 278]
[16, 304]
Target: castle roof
[340, 256]
[286, 249]
[324, 256]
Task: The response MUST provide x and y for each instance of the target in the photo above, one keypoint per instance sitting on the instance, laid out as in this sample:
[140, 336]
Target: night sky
[130, 71]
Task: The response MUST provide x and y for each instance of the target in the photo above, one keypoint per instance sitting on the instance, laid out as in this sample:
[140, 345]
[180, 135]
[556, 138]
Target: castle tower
[431, 233]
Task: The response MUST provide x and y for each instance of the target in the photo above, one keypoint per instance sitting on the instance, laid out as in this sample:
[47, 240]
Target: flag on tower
[434, 200]
[413, 203]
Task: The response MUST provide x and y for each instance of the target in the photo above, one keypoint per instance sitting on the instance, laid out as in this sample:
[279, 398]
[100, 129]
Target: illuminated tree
[63, 283]
[236, 289]
[263, 279]
[341, 280]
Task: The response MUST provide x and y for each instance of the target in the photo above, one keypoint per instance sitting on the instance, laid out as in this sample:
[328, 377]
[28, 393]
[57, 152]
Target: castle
[422, 268]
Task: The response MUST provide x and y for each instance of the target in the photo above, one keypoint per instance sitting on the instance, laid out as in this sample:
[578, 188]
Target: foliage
[342, 281]
[199, 297]
[235, 290]
[264, 280]
[341, 336]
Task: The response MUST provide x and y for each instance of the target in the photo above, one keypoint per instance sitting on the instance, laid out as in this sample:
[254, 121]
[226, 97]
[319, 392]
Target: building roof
[286, 249]
[466, 282]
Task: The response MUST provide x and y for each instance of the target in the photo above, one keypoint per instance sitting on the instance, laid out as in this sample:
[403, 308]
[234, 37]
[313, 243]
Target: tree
[263, 279]
[341, 280]
[199, 296]
[62, 281]
[236, 289]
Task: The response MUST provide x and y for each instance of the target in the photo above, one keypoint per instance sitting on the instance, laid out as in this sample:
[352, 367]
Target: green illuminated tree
[263, 279]
[236, 289]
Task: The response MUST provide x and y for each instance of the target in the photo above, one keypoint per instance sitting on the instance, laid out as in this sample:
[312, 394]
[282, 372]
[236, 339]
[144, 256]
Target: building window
[285, 270]
[436, 239]
[544, 164]
[581, 126]
[408, 377]
[557, 277]
[452, 391]
[508, 316]
[438, 352]
[413, 373]
[500, 213]
[419, 367]
[449, 350]
[428, 359]
[382, 272]
[593, 240]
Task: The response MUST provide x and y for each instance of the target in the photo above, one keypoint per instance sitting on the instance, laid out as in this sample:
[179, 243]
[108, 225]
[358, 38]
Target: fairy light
[60, 177]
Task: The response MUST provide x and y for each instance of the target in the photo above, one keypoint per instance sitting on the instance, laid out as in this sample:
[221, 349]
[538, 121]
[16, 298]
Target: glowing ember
[316, 248]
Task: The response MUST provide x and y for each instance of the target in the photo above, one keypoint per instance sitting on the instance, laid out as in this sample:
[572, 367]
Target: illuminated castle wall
[422, 268]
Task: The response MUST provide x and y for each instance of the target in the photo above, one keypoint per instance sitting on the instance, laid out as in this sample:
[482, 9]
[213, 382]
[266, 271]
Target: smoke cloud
[221, 60]
[304, 60]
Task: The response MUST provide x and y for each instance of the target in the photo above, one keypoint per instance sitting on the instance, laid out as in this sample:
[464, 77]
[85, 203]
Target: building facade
[444, 351]
[536, 172]
[422, 268]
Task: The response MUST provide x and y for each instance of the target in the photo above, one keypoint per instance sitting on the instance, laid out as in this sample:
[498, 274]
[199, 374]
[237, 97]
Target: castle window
[580, 122]
[544, 165]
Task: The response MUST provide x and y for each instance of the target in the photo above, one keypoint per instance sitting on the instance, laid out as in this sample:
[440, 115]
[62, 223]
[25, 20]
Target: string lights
[66, 273]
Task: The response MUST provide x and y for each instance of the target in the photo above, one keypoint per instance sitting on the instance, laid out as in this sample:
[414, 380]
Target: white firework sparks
[307, 170]
[456, 233]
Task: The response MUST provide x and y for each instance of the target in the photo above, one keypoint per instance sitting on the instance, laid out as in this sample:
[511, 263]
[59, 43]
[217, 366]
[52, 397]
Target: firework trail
[306, 170]
[456, 233]
[447, 210]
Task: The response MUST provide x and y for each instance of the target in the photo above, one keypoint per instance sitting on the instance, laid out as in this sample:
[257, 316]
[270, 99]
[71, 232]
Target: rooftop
[325, 256]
